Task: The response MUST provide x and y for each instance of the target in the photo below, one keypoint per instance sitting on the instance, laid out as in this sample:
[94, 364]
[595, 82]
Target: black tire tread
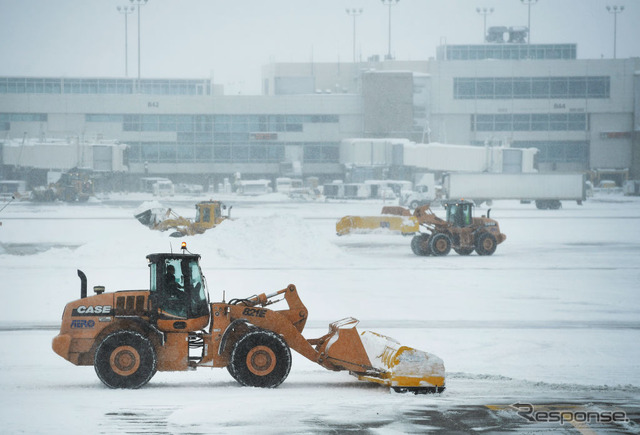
[242, 347]
[148, 360]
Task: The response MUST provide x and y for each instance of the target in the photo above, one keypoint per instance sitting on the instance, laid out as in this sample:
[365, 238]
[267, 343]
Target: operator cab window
[174, 294]
[466, 213]
[178, 289]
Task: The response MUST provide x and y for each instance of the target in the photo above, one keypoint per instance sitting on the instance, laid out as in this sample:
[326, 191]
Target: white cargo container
[547, 190]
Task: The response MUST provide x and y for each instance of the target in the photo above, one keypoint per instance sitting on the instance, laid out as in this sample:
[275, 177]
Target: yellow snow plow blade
[402, 367]
[377, 358]
[363, 224]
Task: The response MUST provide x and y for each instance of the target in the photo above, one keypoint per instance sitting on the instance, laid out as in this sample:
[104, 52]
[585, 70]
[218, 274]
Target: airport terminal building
[582, 115]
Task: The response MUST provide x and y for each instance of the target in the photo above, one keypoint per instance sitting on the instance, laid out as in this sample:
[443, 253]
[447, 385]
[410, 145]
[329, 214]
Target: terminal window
[470, 88]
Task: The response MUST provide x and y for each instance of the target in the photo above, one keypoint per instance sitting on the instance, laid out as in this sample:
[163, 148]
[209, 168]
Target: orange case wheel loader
[129, 335]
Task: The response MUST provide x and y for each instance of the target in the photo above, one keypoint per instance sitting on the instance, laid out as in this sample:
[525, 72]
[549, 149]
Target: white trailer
[547, 190]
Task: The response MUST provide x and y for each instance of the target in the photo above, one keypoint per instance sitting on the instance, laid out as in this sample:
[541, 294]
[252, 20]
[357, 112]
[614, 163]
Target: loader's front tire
[125, 359]
[420, 245]
[260, 359]
[486, 244]
[440, 244]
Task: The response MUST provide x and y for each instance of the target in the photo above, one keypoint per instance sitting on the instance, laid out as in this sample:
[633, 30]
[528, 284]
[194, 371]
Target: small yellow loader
[209, 214]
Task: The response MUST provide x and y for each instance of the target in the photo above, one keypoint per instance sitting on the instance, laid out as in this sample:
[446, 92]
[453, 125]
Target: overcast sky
[231, 40]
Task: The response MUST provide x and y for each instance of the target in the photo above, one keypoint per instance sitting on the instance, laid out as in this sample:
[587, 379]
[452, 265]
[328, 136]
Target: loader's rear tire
[125, 359]
[420, 245]
[486, 244]
[440, 244]
[260, 359]
[463, 251]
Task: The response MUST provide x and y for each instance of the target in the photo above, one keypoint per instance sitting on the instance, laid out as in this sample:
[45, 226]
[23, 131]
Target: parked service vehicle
[424, 192]
[631, 188]
[253, 187]
[12, 189]
[163, 188]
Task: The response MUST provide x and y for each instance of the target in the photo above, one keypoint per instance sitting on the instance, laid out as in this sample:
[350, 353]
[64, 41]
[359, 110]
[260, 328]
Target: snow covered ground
[552, 318]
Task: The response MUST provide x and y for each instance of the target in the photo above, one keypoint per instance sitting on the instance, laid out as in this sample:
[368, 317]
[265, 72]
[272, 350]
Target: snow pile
[276, 240]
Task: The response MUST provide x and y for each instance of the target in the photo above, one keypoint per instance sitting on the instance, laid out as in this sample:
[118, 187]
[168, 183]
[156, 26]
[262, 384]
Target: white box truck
[547, 190]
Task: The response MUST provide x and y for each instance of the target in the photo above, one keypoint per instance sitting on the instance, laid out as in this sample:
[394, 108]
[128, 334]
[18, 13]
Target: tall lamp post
[354, 13]
[529, 3]
[126, 10]
[140, 3]
[484, 12]
[389, 3]
[615, 10]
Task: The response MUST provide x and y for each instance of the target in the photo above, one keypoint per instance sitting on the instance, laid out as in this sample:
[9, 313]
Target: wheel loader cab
[209, 213]
[179, 297]
[459, 213]
[203, 213]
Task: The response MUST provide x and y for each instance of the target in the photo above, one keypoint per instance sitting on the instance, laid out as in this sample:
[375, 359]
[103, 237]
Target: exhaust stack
[83, 284]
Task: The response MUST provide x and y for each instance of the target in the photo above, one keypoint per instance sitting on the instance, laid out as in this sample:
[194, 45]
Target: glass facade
[558, 151]
[7, 118]
[507, 51]
[221, 138]
[27, 85]
[530, 122]
[23, 117]
[530, 87]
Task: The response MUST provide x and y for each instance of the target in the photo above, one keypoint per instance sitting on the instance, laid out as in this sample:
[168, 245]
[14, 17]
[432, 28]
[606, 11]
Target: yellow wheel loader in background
[129, 335]
[208, 215]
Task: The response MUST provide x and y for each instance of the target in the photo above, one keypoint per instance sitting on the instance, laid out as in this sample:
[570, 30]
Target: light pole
[140, 3]
[126, 10]
[389, 3]
[484, 12]
[354, 13]
[615, 10]
[529, 3]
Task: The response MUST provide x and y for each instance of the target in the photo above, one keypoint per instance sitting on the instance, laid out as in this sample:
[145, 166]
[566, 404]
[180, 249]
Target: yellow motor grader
[209, 214]
[130, 335]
